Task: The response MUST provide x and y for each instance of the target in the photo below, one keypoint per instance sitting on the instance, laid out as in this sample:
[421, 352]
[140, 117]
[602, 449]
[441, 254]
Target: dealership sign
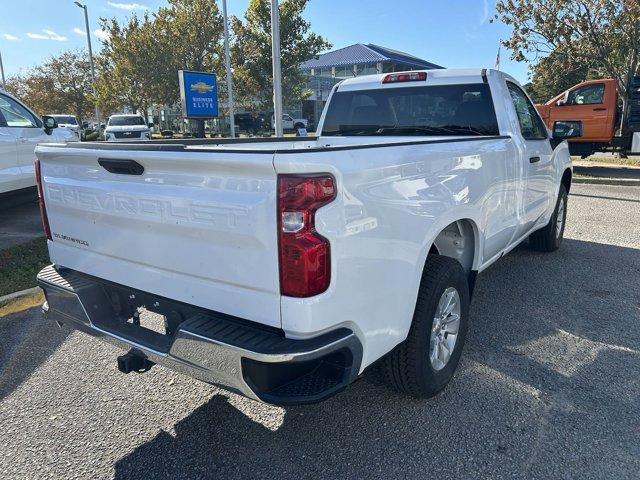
[199, 94]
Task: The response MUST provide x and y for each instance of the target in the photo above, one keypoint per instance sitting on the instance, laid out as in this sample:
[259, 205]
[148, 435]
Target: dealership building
[324, 71]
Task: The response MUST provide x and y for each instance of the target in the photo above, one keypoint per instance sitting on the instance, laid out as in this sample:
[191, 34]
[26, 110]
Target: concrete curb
[12, 297]
[629, 182]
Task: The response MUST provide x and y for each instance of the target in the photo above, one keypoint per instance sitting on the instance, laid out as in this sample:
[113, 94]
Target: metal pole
[277, 72]
[4, 83]
[227, 62]
[93, 72]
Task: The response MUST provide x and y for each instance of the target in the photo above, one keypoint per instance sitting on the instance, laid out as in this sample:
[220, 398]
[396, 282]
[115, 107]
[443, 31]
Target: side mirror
[565, 129]
[49, 124]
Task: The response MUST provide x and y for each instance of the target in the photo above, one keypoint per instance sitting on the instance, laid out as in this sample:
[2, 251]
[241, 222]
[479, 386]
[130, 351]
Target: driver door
[27, 131]
[536, 156]
[587, 103]
[9, 171]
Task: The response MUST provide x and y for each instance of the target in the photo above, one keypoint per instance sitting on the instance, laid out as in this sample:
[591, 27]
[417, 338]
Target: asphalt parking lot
[19, 220]
[548, 387]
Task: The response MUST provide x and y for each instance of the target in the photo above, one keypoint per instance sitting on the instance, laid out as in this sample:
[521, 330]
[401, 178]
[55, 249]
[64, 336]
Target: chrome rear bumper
[242, 356]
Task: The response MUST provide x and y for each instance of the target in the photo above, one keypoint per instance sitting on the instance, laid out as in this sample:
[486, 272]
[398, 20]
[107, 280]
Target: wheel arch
[459, 240]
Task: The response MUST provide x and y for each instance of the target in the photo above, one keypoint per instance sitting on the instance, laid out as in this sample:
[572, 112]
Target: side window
[587, 95]
[15, 114]
[531, 125]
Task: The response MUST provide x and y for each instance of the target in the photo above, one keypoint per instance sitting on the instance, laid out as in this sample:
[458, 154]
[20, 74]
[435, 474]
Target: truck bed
[199, 224]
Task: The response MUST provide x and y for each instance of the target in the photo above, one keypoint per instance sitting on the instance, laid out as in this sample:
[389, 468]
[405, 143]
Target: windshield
[426, 110]
[66, 120]
[126, 121]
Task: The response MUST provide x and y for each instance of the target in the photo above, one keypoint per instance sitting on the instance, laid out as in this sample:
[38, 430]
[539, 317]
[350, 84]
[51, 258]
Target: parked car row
[256, 122]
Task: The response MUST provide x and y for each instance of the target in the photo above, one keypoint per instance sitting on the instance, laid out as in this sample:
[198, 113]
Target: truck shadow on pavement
[26, 341]
[548, 387]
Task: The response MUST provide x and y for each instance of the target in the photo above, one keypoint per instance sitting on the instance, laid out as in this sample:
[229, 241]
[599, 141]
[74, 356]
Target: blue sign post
[199, 94]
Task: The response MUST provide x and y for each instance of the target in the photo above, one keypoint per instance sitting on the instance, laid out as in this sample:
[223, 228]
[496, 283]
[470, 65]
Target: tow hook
[134, 362]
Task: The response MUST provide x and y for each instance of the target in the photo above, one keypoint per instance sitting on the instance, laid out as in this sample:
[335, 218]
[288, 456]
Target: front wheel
[549, 238]
[424, 363]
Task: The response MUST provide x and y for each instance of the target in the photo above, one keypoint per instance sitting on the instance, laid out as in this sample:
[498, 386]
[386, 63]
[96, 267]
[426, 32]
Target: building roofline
[366, 54]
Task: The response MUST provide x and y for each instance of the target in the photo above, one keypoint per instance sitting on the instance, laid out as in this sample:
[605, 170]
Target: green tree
[554, 74]
[251, 53]
[604, 34]
[126, 71]
[189, 36]
[60, 85]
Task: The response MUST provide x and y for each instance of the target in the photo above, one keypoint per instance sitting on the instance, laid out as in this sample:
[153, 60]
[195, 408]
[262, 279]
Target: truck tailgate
[197, 227]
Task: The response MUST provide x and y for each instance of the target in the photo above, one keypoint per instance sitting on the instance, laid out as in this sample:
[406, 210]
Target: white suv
[20, 131]
[127, 127]
[67, 121]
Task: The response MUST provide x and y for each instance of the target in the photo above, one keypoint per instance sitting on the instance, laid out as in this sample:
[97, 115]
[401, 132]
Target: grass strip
[20, 264]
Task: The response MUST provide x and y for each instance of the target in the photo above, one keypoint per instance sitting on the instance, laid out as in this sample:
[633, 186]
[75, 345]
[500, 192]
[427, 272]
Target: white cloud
[54, 36]
[79, 31]
[11, 38]
[101, 34]
[47, 35]
[485, 12]
[128, 6]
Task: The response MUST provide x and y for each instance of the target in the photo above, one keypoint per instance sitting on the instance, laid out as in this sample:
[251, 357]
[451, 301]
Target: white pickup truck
[283, 268]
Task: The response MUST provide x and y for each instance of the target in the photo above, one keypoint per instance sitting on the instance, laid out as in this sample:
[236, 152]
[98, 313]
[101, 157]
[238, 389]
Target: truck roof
[434, 77]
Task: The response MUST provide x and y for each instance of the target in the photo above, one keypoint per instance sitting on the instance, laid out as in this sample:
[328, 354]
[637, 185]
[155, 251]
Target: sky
[451, 33]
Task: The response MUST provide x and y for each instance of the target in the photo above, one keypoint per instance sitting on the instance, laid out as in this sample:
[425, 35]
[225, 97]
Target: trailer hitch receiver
[134, 362]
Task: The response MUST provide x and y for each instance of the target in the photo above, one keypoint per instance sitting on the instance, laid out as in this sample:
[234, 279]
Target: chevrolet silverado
[283, 268]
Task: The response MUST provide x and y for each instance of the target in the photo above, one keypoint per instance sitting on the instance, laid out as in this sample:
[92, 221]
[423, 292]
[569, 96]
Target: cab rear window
[458, 110]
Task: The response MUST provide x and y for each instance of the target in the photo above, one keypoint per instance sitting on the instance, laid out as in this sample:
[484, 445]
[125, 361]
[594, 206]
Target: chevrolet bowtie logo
[201, 87]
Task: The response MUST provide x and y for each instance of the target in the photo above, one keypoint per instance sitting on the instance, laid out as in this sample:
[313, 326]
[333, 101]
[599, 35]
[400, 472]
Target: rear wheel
[424, 363]
[298, 126]
[549, 238]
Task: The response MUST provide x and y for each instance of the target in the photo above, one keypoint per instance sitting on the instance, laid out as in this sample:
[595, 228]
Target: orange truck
[596, 104]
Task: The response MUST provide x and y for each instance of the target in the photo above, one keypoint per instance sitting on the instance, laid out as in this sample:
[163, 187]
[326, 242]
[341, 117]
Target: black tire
[298, 126]
[548, 239]
[408, 367]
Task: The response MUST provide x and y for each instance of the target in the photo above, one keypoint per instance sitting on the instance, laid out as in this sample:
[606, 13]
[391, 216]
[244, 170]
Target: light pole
[227, 62]
[277, 72]
[4, 83]
[93, 72]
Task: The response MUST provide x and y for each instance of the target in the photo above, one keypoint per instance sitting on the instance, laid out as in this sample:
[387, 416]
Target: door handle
[599, 109]
[23, 139]
[534, 159]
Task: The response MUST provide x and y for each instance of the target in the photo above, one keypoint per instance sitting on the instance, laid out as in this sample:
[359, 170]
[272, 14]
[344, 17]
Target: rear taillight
[43, 208]
[305, 259]
[405, 77]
